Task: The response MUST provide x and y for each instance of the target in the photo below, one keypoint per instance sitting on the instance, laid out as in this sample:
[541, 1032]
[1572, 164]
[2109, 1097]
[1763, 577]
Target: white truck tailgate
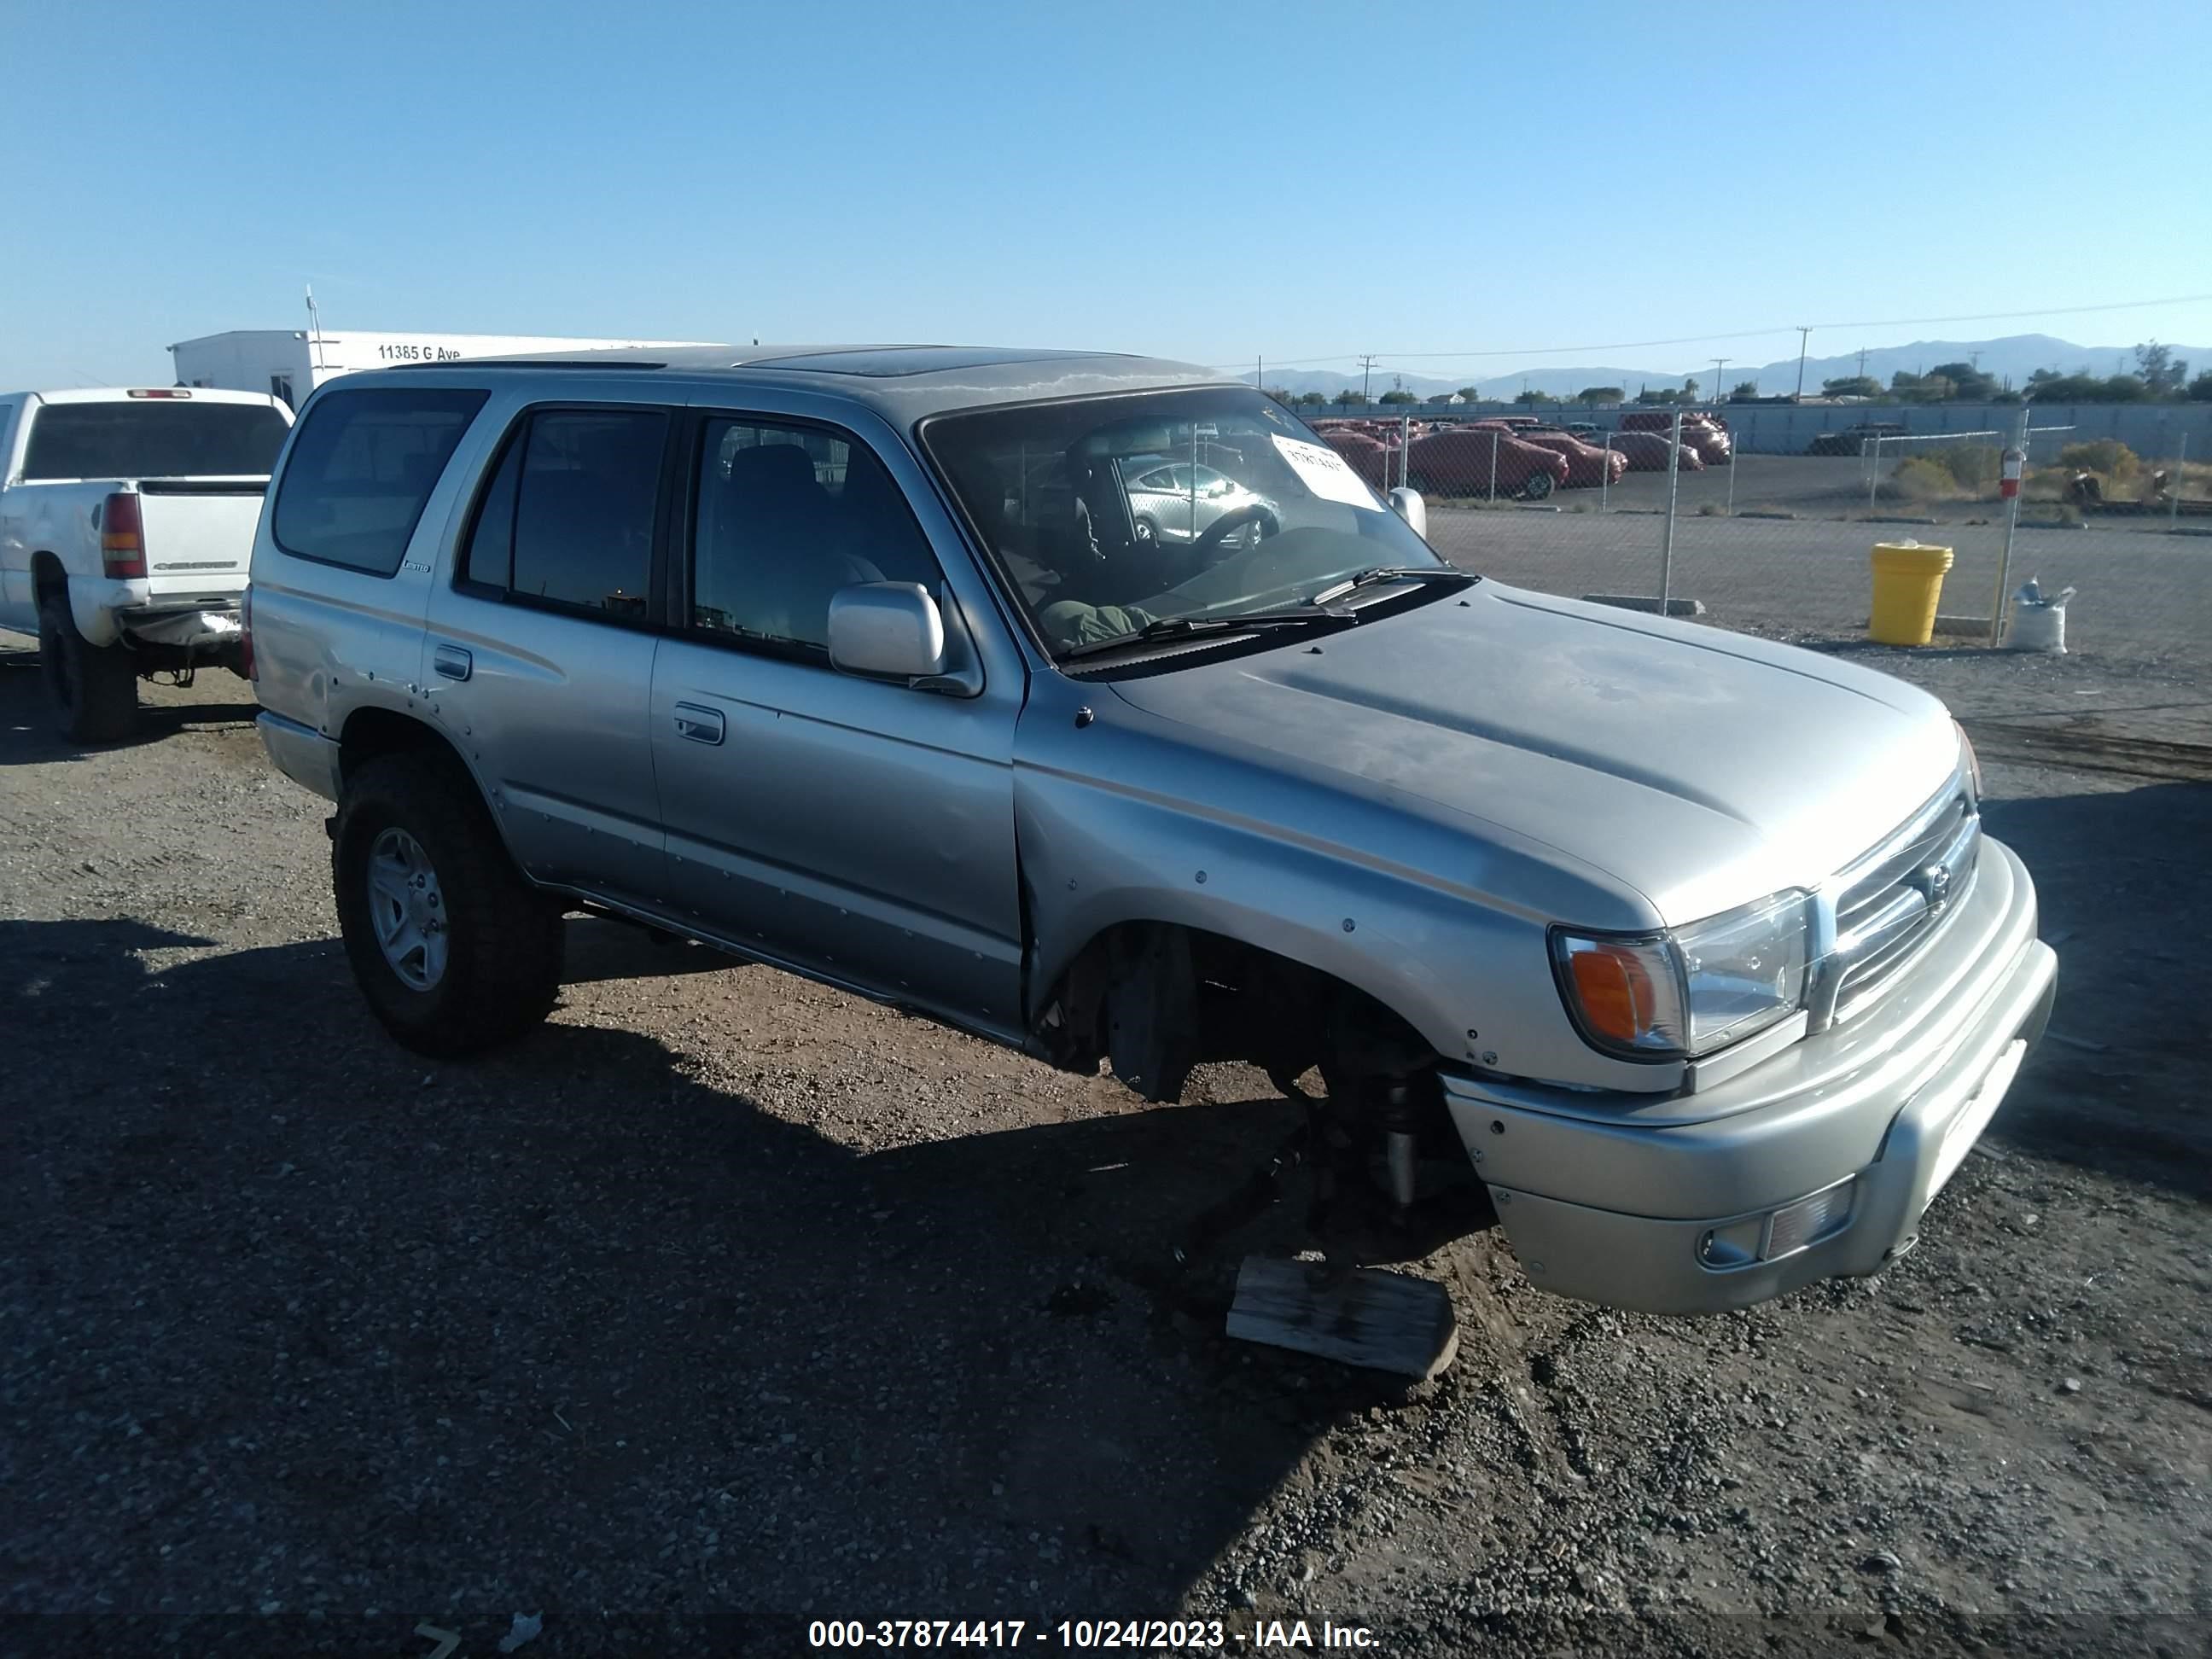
[199, 533]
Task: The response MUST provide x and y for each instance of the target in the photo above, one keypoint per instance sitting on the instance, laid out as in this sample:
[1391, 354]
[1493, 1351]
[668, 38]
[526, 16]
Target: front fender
[1120, 820]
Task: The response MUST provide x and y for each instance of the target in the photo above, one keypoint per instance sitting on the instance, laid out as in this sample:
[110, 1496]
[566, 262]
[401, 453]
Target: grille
[1893, 901]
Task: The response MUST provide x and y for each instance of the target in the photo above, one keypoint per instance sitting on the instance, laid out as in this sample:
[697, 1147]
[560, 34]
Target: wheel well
[47, 577]
[1156, 999]
[371, 733]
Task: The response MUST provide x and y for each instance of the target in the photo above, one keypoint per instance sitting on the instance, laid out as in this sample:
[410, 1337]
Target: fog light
[1808, 1220]
[1732, 1246]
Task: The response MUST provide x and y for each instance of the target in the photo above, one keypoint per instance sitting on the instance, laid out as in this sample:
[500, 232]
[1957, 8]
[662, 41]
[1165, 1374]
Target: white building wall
[292, 362]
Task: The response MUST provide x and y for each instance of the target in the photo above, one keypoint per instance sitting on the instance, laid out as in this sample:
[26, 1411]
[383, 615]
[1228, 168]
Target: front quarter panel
[1124, 816]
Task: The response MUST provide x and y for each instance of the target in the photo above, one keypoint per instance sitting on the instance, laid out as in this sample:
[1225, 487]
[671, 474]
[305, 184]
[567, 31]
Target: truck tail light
[122, 536]
[246, 634]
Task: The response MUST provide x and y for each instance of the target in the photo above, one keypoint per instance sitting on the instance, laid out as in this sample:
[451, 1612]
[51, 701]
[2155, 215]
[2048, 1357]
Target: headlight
[1690, 990]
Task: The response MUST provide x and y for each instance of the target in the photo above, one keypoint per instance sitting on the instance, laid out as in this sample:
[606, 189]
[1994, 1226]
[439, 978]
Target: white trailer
[290, 362]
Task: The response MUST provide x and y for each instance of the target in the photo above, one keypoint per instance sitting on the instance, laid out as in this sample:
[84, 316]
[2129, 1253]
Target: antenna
[314, 330]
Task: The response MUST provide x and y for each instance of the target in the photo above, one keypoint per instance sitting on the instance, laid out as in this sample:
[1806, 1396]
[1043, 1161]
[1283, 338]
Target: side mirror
[1408, 505]
[889, 629]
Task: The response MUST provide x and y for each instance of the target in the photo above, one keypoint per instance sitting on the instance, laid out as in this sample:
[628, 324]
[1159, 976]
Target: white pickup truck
[127, 526]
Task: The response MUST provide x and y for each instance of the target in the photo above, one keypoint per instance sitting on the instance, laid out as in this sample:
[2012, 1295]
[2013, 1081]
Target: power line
[1742, 334]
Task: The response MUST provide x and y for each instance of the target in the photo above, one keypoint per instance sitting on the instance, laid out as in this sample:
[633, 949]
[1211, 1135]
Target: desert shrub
[1923, 478]
[1975, 466]
[2108, 458]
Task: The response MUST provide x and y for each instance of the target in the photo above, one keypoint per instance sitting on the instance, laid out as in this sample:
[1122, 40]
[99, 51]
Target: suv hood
[1699, 768]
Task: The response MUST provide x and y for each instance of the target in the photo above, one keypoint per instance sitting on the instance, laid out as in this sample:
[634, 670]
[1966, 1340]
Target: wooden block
[1358, 1315]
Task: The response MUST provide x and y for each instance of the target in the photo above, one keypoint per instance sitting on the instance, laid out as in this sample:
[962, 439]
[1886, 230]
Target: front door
[857, 828]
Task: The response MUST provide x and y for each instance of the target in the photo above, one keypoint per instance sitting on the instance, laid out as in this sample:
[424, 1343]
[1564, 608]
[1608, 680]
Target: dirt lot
[729, 1293]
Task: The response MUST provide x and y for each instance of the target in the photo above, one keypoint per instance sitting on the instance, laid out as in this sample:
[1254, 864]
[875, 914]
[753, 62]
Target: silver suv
[854, 661]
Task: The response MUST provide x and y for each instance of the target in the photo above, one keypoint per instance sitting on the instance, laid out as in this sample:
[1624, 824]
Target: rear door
[540, 647]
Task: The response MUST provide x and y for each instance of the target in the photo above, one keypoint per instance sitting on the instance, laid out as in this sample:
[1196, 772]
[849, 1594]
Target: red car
[1369, 457]
[1587, 465]
[1647, 452]
[1707, 433]
[1456, 461]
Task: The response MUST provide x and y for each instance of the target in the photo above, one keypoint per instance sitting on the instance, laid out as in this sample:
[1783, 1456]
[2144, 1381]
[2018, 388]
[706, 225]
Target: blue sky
[1208, 181]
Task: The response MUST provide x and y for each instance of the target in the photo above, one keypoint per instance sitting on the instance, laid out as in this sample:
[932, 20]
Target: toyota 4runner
[856, 661]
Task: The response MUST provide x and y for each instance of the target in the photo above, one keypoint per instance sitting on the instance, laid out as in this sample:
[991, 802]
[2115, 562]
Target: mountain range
[2014, 357]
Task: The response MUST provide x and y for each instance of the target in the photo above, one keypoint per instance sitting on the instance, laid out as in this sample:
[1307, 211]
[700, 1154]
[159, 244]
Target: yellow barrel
[1908, 580]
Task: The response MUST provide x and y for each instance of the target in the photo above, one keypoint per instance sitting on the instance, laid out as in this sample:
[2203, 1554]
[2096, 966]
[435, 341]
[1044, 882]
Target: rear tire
[92, 688]
[497, 967]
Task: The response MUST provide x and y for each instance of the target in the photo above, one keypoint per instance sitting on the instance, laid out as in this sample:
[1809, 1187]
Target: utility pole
[1863, 354]
[1804, 335]
[1719, 363]
[1259, 373]
[1366, 370]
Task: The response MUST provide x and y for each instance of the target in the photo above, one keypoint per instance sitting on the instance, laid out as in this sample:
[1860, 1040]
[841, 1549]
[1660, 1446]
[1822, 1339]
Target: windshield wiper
[1250, 622]
[1392, 573]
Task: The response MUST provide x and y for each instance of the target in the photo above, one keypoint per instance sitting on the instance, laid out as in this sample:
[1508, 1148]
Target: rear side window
[568, 519]
[157, 438]
[363, 467]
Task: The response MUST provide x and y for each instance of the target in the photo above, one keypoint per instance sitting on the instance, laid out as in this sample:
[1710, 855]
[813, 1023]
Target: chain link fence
[1764, 521]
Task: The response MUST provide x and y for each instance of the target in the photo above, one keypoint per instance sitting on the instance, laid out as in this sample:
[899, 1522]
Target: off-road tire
[504, 938]
[93, 689]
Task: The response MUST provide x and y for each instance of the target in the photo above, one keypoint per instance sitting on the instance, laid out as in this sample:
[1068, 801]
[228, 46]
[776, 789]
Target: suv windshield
[1109, 515]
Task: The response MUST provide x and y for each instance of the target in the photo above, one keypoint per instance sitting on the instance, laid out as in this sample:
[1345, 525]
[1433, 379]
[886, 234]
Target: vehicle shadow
[588, 1313]
[26, 725]
[601, 948]
[2118, 1083]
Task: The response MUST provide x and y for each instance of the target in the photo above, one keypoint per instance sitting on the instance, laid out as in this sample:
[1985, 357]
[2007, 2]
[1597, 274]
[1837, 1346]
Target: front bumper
[1631, 1200]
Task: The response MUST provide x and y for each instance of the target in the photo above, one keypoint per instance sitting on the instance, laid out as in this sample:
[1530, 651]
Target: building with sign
[290, 362]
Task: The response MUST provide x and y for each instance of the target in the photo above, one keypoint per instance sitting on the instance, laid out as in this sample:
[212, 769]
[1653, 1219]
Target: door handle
[699, 723]
[452, 662]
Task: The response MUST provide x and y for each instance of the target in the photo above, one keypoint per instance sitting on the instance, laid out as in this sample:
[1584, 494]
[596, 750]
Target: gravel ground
[728, 1293]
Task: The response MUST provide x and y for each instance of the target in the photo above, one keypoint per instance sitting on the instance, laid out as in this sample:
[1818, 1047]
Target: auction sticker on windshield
[1322, 471]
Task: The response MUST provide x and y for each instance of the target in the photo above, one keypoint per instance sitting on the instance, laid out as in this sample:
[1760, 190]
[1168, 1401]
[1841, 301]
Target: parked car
[1588, 464]
[1854, 439]
[1368, 457]
[852, 662]
[1458, 460]
[1706, 433]
[1177, 501]
[1646, 452]
[126, 522]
